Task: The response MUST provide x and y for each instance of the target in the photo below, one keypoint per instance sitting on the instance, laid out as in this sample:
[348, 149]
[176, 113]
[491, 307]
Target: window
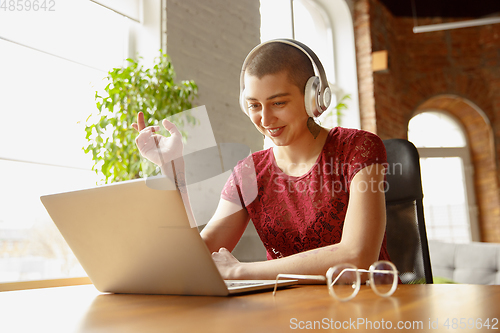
[52, 63]
[449, 203]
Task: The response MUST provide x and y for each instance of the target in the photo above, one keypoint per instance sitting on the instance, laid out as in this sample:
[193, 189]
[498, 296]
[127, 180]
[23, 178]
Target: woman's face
[276, 107]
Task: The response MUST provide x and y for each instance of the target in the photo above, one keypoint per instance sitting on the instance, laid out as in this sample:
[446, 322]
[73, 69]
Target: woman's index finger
[140, 121]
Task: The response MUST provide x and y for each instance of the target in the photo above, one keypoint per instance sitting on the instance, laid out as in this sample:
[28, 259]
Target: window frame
[142, 27]
[50, 283]
[468, 170]
[468, 175]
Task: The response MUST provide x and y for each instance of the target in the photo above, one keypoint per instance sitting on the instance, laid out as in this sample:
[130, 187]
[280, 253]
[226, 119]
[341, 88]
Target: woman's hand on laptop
[227, 264]
[155, 147]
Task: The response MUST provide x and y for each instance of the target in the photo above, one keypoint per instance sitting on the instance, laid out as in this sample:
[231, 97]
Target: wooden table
[412, 308]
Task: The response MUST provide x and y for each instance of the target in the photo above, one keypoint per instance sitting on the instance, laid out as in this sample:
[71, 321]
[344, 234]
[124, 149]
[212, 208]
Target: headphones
[317, 94]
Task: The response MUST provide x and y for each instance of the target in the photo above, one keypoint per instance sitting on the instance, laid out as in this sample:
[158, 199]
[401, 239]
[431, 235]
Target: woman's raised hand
[155, 147]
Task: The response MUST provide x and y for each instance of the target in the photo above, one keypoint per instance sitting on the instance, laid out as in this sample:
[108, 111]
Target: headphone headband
[317, 89]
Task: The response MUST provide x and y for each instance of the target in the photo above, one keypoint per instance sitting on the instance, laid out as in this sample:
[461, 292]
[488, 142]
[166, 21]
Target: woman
[316, 198]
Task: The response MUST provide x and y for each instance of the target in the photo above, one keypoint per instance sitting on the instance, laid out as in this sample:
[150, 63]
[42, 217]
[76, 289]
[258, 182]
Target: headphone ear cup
[310, 96]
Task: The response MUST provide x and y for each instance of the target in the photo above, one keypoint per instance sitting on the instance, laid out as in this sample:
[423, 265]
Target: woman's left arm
[362, 237]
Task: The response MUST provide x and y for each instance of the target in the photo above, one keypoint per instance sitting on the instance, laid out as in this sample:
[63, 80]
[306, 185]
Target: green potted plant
[132, 89]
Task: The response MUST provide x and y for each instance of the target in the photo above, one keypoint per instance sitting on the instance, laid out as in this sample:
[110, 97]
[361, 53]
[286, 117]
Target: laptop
[135, 237]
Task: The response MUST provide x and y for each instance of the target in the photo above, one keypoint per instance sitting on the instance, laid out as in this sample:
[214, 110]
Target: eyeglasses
[344, 280]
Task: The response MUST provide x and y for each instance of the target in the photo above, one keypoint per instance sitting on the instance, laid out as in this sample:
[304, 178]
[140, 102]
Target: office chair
[406, 235]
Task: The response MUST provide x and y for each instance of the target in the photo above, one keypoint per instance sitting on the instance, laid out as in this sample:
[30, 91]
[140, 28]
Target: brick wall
[425, 70]
[363, 43]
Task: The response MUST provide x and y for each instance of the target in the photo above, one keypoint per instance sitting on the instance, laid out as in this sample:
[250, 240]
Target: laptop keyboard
[241, 284]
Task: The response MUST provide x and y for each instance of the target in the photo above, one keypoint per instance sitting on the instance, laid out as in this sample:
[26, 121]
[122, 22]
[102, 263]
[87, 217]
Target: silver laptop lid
[134, 237]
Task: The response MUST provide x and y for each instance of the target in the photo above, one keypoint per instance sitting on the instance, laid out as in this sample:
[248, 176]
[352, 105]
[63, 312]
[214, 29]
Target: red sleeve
[365, 149]
[230, 191]
[241, 187]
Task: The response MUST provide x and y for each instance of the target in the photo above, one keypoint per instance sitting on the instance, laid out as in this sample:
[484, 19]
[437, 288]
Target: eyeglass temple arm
[385, 271]
[323, 278]
[343, 271]
[297, 276]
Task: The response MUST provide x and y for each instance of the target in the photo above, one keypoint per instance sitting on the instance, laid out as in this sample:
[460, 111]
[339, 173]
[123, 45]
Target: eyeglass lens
[343, 281]
[383, 277]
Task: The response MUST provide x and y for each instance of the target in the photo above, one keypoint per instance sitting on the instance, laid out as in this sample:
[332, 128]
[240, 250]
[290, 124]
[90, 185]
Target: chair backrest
[406, 236]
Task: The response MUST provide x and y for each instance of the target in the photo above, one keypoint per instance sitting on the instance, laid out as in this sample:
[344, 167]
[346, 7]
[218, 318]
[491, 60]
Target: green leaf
[131, 89]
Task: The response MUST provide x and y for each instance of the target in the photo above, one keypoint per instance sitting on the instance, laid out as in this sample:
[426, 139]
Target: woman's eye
[279, 103]
[253, 106]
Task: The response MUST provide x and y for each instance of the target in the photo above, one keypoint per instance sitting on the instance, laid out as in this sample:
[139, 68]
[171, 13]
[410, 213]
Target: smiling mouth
[275, 131]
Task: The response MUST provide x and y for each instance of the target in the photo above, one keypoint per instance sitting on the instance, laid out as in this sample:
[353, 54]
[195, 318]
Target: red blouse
[296, 214]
